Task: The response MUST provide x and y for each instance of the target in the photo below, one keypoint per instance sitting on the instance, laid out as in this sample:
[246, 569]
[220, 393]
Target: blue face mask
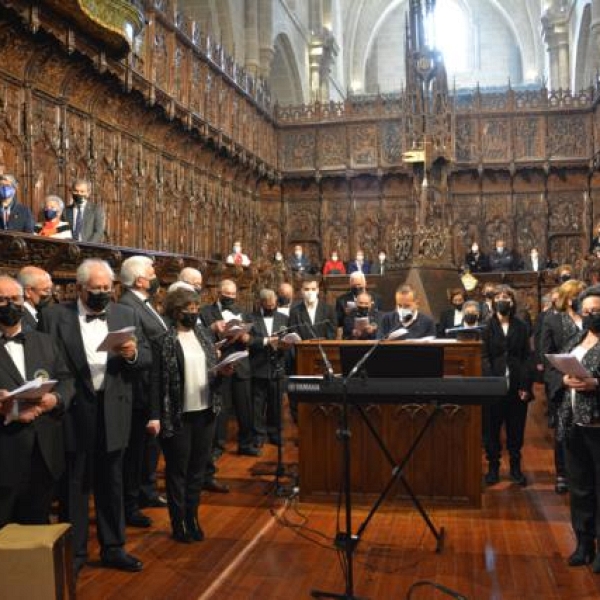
[6, 191]
[49, 214]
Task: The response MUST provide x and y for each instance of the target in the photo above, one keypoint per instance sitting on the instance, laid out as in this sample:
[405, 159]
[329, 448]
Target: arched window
[452, 35]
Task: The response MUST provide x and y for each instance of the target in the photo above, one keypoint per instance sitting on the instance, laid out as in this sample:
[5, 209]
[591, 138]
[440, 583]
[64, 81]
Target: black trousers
[100, 472]
[133, 461]
[28, 502]
[186, 454]
[582, 452]
[236, 394]
[559, 446]
[266, 398]
[512, 413]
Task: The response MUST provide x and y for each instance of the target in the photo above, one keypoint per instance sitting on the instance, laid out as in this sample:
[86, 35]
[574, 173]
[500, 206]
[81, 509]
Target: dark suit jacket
[152, 328]
[500, 351]
[93, 222]
[352, 267]
[348, 327]
[446, 322]
[477, 264]
[211, 313]
[423, 326]
[325, 322]
[378, 268]
[17, 440]
[341, 301]
[300, 265]
[501, 262]
[81, 427]
[28, 322]
[263, 360]
[20, 218]
[528, 266]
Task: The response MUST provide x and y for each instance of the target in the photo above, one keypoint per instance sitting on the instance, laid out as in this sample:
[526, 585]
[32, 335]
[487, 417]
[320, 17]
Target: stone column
[251, 30]
[555, 28]
[265, 35]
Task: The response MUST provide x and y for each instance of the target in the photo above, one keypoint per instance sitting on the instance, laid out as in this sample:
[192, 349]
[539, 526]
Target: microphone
[328, 368]
[462, 328]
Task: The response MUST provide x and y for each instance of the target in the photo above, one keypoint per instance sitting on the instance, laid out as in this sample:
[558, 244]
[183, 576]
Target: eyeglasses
[17, 299]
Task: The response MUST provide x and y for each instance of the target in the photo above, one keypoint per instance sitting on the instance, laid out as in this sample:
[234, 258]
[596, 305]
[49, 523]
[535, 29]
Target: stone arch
[583, 68]
[285, 80]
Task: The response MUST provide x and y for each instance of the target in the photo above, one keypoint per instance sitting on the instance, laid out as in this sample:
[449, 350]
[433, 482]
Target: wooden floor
[263, 547]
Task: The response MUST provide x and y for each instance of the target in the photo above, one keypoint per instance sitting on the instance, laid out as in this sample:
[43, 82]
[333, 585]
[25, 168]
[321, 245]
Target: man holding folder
[31, 436]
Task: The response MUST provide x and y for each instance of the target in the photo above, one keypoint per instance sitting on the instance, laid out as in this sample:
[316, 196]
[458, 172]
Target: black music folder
[394, 360]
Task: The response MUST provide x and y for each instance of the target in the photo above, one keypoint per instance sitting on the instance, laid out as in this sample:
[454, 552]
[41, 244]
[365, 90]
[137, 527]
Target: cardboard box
[36, 561]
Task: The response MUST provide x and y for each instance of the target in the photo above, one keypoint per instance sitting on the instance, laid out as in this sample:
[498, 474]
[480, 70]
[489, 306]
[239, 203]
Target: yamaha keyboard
[445, 390]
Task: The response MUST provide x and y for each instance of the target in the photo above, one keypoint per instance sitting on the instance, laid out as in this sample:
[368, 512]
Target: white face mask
[237, 249]
[406, 314]
[381, 257]
[475, 249]
[360, 258]
[298, 254]
[310, 296]
[278, 257]
[334, 257]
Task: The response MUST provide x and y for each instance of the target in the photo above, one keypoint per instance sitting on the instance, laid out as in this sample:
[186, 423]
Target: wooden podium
[446, 467]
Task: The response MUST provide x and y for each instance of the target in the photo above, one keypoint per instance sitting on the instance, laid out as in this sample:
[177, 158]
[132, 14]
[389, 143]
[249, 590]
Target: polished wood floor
[259, 546]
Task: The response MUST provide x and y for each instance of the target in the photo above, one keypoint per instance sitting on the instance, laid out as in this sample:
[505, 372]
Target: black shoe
[517, 476]
[194, 530]
[249, 451]
[492, 477]
[181, 533]
[119, 559]
[158, 501]
[583, 555]
[561, 486]
[214, 486]
[138, 519]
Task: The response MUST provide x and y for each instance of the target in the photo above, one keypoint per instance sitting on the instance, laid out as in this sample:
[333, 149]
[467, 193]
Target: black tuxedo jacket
[28, 322]
[92, 229]
[263, 360]
[380, 268]
[81, 427]
[20, 218]
[528, 265]
[152, 328]
[211, 313]
[423, 326]
[325, 322]
[17, 440]
[446, 322]
[500, 351]
[477, 263]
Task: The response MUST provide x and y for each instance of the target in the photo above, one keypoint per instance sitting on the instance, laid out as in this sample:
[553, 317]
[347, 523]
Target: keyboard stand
[398, 474]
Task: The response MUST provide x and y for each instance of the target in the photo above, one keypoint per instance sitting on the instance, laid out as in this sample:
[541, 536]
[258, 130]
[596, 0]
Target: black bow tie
[19, 338]
[90, 317]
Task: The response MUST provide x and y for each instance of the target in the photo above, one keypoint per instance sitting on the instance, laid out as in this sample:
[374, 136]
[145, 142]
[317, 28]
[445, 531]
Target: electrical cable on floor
[442, 588]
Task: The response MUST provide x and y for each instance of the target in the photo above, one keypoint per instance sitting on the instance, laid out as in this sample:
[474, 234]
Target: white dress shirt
[312, 311]
[93, 334]
[17, 354]
[31, 310]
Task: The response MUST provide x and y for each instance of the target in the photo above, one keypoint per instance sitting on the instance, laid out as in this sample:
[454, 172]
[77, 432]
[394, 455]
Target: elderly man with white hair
[98, 422]
[140, 285]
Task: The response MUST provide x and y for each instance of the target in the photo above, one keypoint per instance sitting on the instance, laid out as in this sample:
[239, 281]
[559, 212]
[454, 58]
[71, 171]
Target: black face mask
[268, 312]
[283, 301]
[10, 314]
[188, 319]
[227, 302]
[565, 277]
[78, 198]
[503, 307]
[458, 305]
[357, 289]
[362, 312]
[97, 301]
[470, 319]
[591, 323]
[154, 286]
[575, 304]
[490, 295]
[43, 302]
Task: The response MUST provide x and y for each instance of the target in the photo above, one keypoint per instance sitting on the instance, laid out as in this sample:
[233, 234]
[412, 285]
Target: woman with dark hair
[506, 353]
[186, 390]
[579, 427]
[558, 328]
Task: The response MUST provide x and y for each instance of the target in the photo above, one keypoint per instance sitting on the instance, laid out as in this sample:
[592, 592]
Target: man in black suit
[453, 316]
[140, 284]
[346, 303]
[362, 323]
[299, 263]
[32, 454]
[501, 259]
[407, 317]
[382, 266]
[236, 389]
[312, 318]
[534, 262]
[14, 216]
[98, 422]
[37, 288]
[359, 264]
[85, 218]
[266, 363]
